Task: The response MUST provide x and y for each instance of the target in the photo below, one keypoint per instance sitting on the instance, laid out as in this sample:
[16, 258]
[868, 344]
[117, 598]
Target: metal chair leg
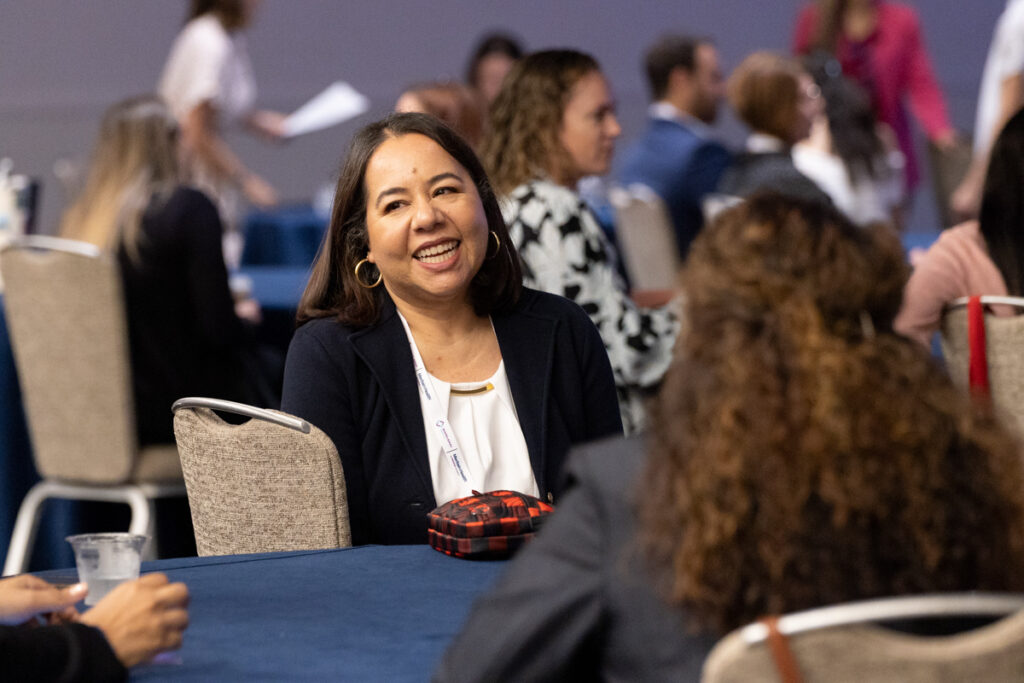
[24, 536]
[143, 520]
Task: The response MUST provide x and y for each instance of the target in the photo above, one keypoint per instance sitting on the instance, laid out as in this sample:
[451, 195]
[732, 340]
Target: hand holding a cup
[142, 618]
[23, 597]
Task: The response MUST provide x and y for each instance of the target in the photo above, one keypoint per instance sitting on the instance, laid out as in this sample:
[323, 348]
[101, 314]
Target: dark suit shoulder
[609, 466]
[325, 328]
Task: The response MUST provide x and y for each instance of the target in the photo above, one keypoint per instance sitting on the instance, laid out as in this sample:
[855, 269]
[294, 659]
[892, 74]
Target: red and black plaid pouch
[486, 525]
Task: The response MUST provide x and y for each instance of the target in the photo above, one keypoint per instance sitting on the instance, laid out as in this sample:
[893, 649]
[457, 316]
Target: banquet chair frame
[646, 237]
[270, 484]
[1004, 351]
[63, 300]
[825, 639]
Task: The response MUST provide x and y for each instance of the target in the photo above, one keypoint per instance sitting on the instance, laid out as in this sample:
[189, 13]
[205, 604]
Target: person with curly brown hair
[552, 124]
[801, 454]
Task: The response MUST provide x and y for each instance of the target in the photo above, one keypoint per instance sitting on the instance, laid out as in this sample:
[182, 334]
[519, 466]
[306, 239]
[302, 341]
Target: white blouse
[490, 439]
[492, 447]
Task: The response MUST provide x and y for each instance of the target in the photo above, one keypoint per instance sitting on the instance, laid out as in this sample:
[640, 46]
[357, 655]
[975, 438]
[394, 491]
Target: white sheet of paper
[338, 103]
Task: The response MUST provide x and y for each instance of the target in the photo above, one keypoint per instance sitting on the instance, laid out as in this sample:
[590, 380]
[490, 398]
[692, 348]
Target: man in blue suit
[676, 156]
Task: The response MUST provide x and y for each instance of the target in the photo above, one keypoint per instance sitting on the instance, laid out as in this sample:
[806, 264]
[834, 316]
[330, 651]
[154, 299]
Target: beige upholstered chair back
[1004, 350]
[859, 652]
[65, 313]
[259, 486]
[646, 237]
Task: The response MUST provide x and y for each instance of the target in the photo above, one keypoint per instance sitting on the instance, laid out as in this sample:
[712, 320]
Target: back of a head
[852, 124]
[802, 453]
[1002, 204]
[525, 118]
[136, 156]
[453, 103]
[670, 52]
[764, 90]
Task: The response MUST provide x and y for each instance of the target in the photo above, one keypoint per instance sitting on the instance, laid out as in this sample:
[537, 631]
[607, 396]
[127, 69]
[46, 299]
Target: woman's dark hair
[801, 452]
[230, 12]
[852, 124]
[333, 289]
[1002, 204]
[492, 44]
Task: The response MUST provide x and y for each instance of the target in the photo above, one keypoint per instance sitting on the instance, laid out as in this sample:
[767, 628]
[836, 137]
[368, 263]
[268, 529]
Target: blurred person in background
[1000, 97]
[773, 479]
[208, 84]
[880, 46]
[676, 155]
[453, 103]
[848, 154]
[778, 100]
[978, 257]
[490, 63]
[552, 124]
[184, 327]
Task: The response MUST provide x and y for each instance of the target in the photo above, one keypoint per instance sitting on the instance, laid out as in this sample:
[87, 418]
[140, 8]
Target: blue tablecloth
[286, 236]
[375, 613]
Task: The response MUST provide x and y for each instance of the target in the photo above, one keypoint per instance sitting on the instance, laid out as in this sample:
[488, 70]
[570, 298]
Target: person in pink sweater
[879, 45]
[982, 257]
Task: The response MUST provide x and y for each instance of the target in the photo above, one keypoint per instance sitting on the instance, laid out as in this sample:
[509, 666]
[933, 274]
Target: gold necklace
[471, 392]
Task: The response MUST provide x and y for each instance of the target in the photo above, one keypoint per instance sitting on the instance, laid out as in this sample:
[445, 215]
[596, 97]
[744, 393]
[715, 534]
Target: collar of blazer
[527, 342]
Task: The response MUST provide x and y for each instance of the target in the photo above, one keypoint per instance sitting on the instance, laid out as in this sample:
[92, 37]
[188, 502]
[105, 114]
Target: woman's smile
[437, 252]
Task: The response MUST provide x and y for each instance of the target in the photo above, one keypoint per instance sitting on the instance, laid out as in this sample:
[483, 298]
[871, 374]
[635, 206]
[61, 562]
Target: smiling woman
[416, 331]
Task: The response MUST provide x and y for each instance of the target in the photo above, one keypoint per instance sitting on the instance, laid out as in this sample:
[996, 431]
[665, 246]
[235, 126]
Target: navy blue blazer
[358, 385]
[681, 167]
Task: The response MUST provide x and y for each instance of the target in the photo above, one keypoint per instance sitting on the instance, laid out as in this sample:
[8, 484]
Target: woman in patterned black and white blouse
[552, 124]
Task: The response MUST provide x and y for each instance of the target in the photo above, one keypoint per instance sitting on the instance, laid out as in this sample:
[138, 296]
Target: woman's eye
[447, 189]
[391, 206]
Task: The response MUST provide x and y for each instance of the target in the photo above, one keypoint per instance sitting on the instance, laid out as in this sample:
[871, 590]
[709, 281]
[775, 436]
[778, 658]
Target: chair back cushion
[646, 237]
[858, 653]
[260, 487]
[65, 314]
[1004, 350]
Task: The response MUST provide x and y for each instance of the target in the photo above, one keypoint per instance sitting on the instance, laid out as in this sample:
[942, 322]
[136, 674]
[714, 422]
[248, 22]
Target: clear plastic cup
[106, 560]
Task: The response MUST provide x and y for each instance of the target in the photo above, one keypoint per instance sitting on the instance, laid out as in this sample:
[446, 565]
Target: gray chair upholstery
[844, 644]
[646, 237]
[272, 483]
[66, 319]
[1004, 350]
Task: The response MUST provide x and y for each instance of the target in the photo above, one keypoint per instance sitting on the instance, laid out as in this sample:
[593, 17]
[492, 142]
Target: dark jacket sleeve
[316, 389]
[603, 417]
[67, 653]
[542, 622]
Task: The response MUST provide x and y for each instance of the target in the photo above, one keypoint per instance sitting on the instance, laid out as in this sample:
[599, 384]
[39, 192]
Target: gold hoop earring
[362, 284]
[497, 245]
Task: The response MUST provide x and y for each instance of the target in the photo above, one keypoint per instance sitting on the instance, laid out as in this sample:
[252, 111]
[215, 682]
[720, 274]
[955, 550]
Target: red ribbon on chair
[782, 655]
[977, 361]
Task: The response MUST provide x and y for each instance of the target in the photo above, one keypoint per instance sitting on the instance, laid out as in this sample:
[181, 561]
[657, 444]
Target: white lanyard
[438, 418]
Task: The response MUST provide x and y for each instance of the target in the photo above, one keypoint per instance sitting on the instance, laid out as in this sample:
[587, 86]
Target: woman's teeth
[437, 253]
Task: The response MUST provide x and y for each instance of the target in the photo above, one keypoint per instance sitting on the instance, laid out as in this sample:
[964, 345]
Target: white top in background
[208, 64]
[1005, 59]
